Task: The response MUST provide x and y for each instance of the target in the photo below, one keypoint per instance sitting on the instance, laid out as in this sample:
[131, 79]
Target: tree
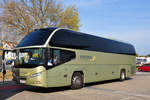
[137, 55]
[148, 55]
[19, 17]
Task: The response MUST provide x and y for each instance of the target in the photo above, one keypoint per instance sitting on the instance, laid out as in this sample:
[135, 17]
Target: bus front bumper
[38, 80]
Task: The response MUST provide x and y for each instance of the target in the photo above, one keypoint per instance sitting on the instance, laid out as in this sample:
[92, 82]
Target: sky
[125, 20]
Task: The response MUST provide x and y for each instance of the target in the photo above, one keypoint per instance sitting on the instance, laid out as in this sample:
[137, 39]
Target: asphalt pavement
[134, 88]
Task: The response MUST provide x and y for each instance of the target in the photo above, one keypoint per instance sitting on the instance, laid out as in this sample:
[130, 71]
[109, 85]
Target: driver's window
[53, 57]
[50, 56]
[56, 57]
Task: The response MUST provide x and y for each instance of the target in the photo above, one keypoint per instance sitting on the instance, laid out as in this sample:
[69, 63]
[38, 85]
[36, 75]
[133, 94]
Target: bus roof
[76, 40]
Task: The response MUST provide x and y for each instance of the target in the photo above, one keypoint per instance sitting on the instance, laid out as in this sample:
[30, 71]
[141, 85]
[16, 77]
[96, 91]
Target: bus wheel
[77, 81]
[122, 75]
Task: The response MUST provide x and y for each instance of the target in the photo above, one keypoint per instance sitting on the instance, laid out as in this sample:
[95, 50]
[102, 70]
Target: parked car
[144, 67]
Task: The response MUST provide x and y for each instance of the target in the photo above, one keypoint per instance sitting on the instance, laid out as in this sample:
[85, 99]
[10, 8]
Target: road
[134, 88]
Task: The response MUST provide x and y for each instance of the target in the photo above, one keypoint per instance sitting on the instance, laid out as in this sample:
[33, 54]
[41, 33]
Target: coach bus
[54, 57]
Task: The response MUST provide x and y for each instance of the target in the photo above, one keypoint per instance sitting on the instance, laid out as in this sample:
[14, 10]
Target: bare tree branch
[23, 16]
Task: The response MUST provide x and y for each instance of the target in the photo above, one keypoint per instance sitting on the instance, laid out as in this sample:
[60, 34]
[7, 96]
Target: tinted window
[57, 57]
[76, 40]
[38, 37]
[67, 55]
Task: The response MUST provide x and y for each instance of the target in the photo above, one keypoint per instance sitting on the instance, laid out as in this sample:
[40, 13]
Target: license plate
[22, 81]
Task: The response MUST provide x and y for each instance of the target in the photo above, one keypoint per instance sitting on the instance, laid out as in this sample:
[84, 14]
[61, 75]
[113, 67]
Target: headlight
[35, 75]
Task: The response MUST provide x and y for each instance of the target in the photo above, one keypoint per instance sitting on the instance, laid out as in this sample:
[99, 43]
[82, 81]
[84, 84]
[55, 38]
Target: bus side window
[67, 56]
[62, 56]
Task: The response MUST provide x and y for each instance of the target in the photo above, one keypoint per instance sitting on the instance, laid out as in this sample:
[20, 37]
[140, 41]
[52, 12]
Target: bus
[56, 57]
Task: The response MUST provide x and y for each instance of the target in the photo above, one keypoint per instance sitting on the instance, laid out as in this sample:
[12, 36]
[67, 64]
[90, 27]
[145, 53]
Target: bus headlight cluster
[35, 75]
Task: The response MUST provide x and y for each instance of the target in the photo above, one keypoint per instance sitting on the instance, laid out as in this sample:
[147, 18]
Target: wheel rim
[77, 81]
[123, 76]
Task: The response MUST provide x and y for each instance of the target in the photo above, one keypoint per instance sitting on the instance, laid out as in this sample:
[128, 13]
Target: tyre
[77, 81]
[122, 75]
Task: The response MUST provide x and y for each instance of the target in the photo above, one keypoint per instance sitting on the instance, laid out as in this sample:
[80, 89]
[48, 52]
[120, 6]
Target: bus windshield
[29, 58]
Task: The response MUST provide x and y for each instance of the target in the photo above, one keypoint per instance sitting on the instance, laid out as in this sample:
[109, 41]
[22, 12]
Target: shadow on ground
[59, 89]
[9, 88]
[105, 82]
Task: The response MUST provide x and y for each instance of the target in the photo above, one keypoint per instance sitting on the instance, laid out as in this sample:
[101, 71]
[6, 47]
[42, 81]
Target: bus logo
[90, 58]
